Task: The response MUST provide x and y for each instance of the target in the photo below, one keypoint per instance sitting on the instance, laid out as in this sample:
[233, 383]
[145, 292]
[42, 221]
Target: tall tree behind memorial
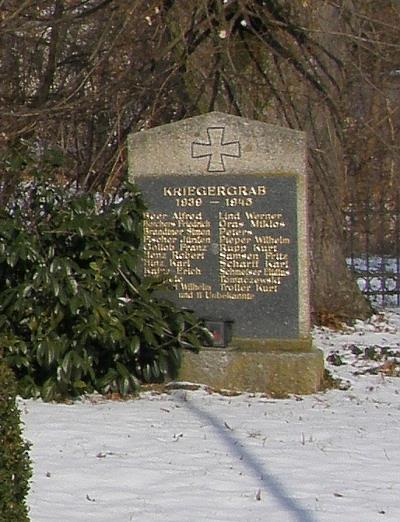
[372, 125]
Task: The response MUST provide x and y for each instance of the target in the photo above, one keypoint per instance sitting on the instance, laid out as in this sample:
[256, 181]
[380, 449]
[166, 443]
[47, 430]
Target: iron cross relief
[215, 149]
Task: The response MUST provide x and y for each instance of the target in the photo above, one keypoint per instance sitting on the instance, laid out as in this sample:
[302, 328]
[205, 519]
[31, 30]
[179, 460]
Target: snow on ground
[192, 455]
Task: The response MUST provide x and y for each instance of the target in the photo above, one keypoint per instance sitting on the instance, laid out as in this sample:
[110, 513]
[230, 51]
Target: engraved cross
[215, 148]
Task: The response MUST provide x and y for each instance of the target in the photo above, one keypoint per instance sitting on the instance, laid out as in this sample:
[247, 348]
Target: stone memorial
[227, 226]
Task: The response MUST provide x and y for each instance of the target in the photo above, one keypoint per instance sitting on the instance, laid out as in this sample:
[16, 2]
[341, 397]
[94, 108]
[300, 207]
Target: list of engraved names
[226, 228]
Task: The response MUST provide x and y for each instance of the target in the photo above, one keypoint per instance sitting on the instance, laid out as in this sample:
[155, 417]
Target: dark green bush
[74, 315]
[15, 470]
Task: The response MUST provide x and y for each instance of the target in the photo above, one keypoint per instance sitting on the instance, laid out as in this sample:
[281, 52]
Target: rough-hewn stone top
[217, 142]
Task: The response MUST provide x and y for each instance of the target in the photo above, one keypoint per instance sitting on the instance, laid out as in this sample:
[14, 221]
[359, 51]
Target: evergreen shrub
[15, 468]
[75, 316]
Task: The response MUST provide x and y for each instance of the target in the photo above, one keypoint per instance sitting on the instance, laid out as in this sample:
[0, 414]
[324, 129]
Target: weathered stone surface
[214, 152]
[227, 224]
[278, 373]
[239, 276]
[253, 147]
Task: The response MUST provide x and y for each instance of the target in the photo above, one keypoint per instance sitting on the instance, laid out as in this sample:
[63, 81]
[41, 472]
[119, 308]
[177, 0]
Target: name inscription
[226, 241]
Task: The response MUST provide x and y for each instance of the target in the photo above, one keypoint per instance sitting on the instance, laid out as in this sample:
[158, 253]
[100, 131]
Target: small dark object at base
[221, 332]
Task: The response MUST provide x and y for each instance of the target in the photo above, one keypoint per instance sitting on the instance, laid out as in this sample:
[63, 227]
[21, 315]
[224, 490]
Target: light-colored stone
[214, 146]
[264, 149]
[277, 373]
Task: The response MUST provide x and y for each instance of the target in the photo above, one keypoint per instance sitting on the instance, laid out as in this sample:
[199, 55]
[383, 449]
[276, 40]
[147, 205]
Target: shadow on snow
[254, 465]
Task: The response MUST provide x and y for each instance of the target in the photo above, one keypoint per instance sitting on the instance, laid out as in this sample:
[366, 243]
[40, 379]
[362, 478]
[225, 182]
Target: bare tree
[285, 64]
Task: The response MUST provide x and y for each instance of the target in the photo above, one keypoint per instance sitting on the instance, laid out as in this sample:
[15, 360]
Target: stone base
[273, 372]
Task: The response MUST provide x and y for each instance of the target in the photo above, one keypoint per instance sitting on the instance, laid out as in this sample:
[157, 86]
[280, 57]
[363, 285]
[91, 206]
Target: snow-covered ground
[193, 455]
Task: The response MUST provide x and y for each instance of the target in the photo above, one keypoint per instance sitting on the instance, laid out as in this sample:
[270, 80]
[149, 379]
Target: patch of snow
[190, 454]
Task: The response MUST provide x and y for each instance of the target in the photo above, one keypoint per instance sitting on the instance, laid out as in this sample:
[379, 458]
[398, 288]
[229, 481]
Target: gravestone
[227, 225]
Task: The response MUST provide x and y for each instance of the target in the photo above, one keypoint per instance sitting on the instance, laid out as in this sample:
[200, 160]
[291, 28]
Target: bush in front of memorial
[75, 315]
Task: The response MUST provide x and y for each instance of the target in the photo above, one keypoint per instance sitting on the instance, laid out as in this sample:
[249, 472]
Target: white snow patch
[192, 455]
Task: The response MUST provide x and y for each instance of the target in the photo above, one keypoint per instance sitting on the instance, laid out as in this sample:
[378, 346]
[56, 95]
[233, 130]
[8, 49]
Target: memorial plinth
[227, 225]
